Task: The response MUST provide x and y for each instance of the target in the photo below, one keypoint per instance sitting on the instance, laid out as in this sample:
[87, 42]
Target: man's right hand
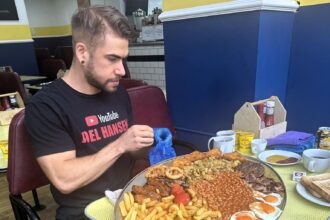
[136, 137]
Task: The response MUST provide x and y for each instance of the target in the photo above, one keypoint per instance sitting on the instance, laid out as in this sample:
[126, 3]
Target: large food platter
[140, 180]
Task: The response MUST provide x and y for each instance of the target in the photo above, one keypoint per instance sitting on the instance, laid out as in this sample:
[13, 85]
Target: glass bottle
[261, 114]
[269, 117]
[13, 101]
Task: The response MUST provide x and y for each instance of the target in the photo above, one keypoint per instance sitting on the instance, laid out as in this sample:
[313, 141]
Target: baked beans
[227, 193]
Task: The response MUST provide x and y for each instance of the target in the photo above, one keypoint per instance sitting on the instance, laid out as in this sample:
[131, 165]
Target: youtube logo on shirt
[91, 120]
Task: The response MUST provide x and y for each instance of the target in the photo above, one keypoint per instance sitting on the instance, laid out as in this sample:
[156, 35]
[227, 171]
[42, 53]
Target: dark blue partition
[308, 93]
[20, 56]
[52, 42]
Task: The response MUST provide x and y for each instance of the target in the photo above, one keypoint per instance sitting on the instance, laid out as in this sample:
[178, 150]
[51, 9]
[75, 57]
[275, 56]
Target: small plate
[101, 209]
[264, 155]
[305, 194]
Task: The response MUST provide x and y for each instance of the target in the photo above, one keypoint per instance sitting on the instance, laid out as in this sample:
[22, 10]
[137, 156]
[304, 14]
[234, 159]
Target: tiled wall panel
[151, 71]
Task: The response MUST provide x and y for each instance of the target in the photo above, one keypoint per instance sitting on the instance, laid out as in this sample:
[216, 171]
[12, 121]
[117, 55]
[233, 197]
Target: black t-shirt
[61, 119]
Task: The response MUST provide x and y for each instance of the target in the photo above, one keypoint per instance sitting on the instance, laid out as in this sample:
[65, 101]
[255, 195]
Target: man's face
[104, 67]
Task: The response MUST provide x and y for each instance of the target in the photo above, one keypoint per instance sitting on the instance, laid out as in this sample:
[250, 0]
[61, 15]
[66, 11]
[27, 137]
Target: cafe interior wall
[16, 44]
[50, 20]
[241, 57]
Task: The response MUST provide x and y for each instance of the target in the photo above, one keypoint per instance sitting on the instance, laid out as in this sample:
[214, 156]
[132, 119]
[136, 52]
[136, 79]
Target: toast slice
[314, 193]
[323, 188]
[306, 181]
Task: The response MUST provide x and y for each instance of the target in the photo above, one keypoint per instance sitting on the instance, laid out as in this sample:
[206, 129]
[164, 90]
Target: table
[26, 78]
[33, 87]
[296, 206]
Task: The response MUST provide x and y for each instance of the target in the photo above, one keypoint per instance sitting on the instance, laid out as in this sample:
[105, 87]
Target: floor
[45, 198]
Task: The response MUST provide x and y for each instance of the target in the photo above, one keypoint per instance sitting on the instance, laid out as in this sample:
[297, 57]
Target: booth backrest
[41, 54]
[50, 68]
[65, 53]
[150, 107]
[24, 173]
[130, 83]
[11, 82]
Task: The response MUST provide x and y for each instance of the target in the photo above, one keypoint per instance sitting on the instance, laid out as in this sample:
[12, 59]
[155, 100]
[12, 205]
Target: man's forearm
[68, 173]
[74, 173]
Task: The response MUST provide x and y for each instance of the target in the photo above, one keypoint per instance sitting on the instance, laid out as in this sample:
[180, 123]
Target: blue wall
[275, 34]
[202, 71]
[308, 92]
[20, 56]
[215, 64]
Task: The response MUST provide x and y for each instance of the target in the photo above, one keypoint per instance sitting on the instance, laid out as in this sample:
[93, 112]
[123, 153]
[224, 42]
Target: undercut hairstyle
[89, 25]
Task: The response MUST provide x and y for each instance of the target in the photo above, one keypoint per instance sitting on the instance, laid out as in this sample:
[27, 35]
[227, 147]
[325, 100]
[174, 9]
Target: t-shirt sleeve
[129, 112]
[46, 130]
[128, 105]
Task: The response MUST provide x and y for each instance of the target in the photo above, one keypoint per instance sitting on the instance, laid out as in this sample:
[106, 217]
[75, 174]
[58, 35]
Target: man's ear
[81, 52]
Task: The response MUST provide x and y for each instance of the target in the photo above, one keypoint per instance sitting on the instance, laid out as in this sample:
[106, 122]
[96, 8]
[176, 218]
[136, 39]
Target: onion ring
[156, 171]
[174, 173]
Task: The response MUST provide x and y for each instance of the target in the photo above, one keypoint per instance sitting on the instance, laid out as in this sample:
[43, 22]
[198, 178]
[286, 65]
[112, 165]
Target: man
[80, 126]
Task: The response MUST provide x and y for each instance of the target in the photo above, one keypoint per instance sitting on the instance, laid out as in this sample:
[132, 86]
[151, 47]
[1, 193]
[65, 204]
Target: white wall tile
[158, 70]
[155, 77]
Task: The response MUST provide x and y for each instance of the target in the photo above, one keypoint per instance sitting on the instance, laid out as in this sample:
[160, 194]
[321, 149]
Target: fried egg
[258, 195]
[274, 199]
[265, 211]
[243, 215]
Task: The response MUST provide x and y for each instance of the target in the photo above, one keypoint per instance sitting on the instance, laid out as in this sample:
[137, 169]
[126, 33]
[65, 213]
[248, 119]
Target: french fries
[165, 209]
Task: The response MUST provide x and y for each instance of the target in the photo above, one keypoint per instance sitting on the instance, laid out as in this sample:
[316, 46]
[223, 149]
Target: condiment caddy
[268, 120]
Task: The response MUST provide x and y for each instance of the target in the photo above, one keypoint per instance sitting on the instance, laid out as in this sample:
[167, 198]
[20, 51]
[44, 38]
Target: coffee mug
[258, 145]
[225, 144]
[227, 133]
[316, 160]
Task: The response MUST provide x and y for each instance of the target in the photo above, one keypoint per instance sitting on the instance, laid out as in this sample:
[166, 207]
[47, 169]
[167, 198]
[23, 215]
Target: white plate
[264, 155]
[304, 193]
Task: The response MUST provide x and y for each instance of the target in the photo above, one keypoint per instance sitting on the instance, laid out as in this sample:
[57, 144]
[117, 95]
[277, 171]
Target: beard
[90, 76]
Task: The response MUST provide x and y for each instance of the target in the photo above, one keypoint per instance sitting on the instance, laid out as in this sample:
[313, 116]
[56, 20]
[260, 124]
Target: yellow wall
[15, 32]
[169, 5]
[25, 32]
[313, 2]
[63, 30]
